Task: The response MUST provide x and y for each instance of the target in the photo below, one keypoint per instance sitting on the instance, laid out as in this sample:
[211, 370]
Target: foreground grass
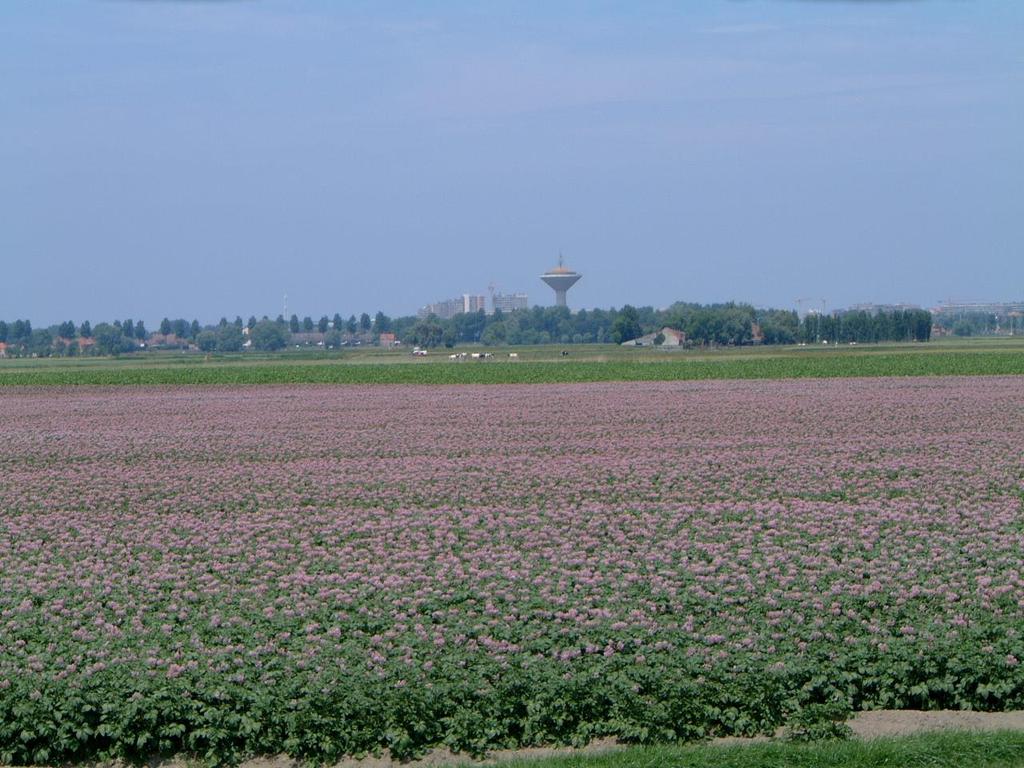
[837, 364]
[954, 749]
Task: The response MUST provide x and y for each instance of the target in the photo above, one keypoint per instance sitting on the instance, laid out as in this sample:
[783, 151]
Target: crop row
[321, 571]
[818, 364]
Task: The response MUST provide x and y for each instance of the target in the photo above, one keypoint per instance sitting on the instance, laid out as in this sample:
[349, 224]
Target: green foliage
[230, 338]
[627, 325]
[428, 333]
[326, 718]
[207, 341]
[110, 340]
[268, 335]
[820, 722]
[971, 323]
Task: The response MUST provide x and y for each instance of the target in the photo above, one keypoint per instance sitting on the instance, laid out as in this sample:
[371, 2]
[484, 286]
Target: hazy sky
[204, 158]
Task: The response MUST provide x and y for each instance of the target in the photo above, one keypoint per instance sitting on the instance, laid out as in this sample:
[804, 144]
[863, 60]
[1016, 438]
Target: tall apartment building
[510, 302]
[471, 303]
[444, 310]
[449, 308]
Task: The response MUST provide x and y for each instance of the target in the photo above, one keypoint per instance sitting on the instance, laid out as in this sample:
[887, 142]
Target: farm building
[670, 338]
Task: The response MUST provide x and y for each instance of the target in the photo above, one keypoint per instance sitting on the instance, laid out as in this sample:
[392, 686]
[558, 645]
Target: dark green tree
[307, 324]
[206, 340]
[40, 343]
[494, 334]
[165, 327]
[268, 336]
[293, 324]
[230, 338]
[364, 322]
[20, 331]
[428, 332]
[626, 325]
[323, 324]
[110, 340]
[85, 330]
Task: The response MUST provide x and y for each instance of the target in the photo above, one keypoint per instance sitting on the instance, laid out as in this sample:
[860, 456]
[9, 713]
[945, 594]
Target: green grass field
[534, 365]
[936, 750]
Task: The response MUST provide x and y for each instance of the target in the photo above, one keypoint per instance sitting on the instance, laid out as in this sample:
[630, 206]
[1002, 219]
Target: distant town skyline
[203, 159]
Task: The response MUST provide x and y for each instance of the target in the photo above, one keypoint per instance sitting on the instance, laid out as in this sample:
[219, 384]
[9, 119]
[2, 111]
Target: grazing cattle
[514, 355]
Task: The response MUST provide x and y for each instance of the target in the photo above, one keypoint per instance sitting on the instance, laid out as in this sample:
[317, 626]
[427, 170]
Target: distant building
[307, 338]
[449, 308]
[998, 308]
[471, 303]
[875, 309]
[509, 302]
[166, 340]
[445, 310]
[387, 340]
[995, 317]
[670, 338]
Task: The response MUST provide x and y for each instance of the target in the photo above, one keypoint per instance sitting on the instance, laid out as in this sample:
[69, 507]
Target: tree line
[726, 324]
[123, 336]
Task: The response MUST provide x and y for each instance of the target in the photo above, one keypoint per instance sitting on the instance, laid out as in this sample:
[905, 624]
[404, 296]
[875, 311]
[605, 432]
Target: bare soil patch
[869, 725]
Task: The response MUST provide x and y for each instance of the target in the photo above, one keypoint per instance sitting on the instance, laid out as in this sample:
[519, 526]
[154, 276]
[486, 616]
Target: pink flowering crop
[483, 566]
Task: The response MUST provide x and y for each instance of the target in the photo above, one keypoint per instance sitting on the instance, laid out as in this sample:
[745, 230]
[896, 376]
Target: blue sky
[204, 158]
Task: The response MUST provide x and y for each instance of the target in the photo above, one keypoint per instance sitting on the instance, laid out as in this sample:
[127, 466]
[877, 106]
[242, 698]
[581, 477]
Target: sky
[203, 159]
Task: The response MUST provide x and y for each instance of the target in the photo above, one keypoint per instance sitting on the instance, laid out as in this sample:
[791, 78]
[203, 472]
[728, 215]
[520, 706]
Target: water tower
[561, 279]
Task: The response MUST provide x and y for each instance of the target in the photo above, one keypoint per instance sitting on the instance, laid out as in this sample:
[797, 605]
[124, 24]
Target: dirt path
[865, 725]
[905, 722]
